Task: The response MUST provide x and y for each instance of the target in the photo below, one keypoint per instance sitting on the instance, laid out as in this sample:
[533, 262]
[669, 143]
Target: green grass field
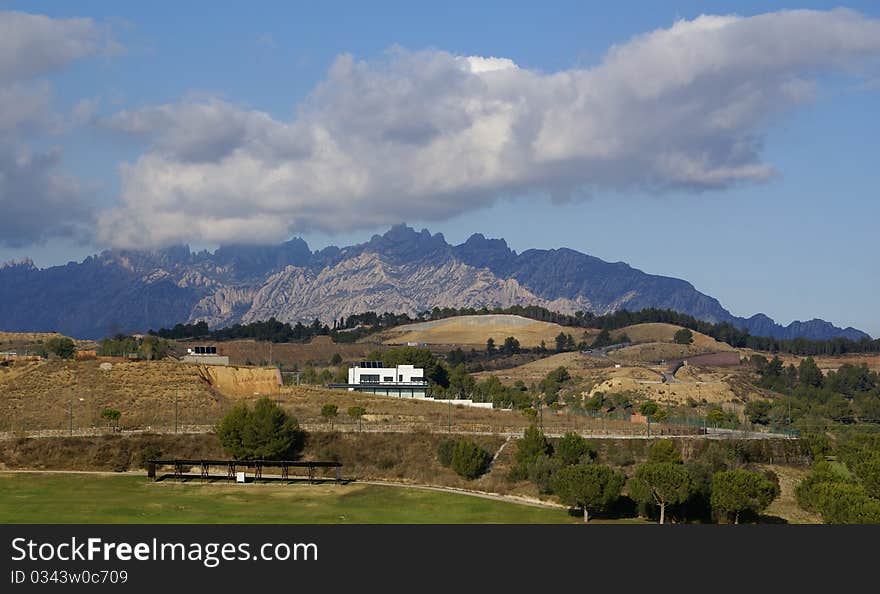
[91, 499]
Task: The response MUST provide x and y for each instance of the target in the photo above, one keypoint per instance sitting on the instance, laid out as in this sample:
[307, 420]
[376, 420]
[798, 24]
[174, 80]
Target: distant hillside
[402, 271]
[475, 330]
[666, 333]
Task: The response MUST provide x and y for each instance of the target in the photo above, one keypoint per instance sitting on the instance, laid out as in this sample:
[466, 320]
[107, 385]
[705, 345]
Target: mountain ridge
[402, 270]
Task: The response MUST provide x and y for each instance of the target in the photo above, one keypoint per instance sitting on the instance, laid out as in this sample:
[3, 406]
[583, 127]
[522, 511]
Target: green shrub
[573, 449]
[444, 452]
[541, 471]
[664, 450]
[469, 460]
[266, 432]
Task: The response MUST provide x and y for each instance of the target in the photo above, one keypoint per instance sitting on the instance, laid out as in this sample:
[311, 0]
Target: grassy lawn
[92, 499]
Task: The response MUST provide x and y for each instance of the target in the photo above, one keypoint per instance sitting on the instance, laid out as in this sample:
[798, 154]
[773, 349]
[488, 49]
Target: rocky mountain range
[400, 271]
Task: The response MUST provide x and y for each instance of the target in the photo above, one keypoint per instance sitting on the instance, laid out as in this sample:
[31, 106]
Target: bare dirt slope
[40, 395]
[475, 330]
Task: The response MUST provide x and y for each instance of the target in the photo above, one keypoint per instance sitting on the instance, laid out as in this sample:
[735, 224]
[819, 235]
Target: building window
[369, 378]
[388, 378]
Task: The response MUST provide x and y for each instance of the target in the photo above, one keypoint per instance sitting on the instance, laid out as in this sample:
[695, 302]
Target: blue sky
[795, 243]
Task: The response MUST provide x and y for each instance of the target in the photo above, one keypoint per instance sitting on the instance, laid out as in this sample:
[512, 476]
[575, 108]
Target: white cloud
[32, 44]
[38, 200]
[478, 64]
[427, 135]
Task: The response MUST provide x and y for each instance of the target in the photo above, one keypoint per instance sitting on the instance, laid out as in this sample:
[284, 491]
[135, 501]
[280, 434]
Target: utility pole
[71, 412]
[176, 398]
[449, 417]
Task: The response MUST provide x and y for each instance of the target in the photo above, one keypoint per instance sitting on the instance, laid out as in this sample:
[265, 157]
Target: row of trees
[846, 491]
[810, 398]
[150, 347]
[570, 470]
[358, 325]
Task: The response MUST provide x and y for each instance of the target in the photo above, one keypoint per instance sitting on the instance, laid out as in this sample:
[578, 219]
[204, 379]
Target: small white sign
[239, 477]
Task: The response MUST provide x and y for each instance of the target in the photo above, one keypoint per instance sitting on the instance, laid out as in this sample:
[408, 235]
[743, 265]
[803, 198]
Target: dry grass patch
[475, 330]
[658, 332]
[785, 506]
[576, 363]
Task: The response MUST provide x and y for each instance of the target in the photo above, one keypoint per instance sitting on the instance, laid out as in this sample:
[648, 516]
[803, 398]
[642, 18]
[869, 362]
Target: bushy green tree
[809, 373]
[357, 413]
[532, 445]
[266, 432]
[664, 450]
[591, 487]
[574, 449]
[510, 346]
[737, 491]
[660, 484]
[603, 339]
[444, 452]
[758, 411]
[60, 346]
[553, 382]
[683, 336]
[469, 460]
[648, 408]
[329, 412]
[111, 415]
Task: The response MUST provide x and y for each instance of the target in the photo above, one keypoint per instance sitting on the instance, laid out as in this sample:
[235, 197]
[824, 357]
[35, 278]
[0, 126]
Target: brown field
[476, 330]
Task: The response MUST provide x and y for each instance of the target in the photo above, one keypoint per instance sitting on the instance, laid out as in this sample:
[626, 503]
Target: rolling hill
[476, 330]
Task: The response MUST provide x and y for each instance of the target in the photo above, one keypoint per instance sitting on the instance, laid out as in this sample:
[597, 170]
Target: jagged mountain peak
[404, 242]
[23, 264]
[399, 270]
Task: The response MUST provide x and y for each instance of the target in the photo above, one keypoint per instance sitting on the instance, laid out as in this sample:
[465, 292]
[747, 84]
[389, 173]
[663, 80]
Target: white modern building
[401, 381]
[405, 381]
